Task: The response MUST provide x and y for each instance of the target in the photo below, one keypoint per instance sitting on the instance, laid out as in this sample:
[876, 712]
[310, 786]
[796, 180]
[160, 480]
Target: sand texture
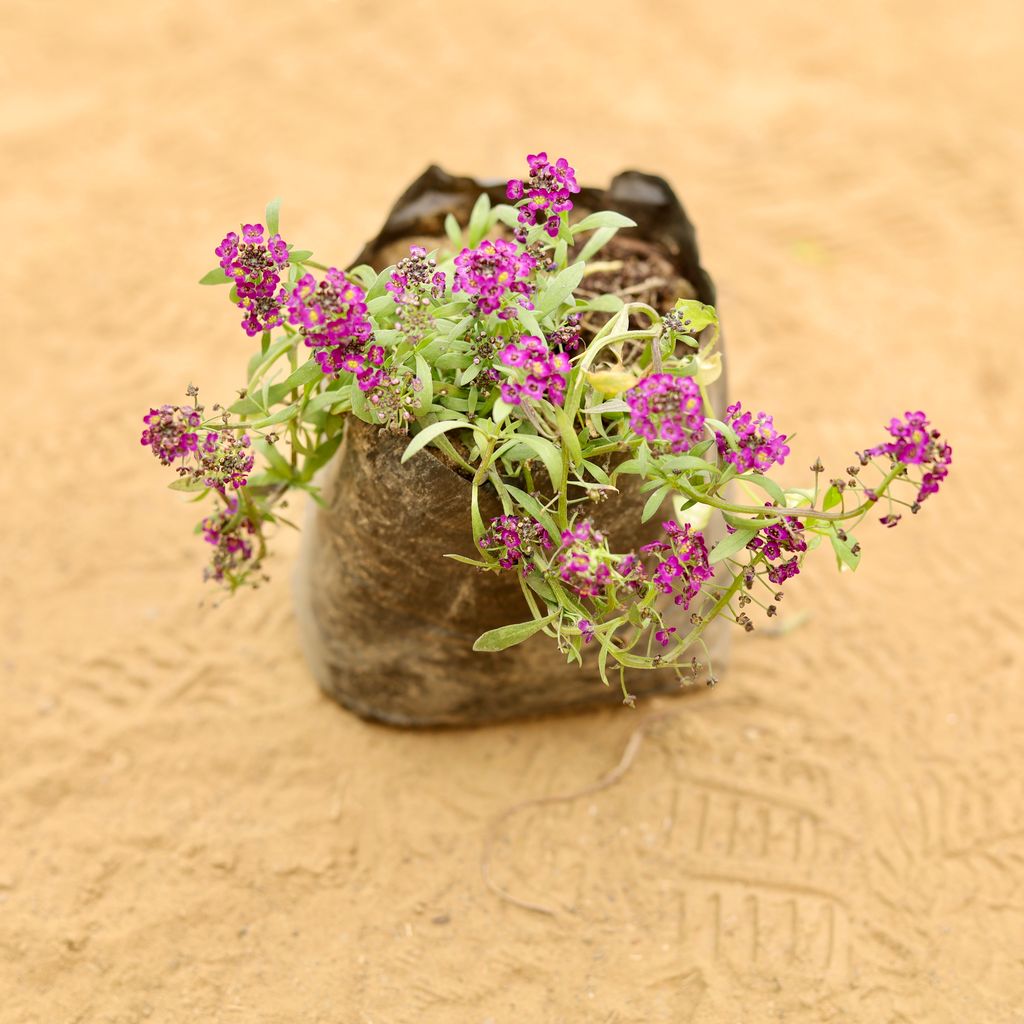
[190, 832]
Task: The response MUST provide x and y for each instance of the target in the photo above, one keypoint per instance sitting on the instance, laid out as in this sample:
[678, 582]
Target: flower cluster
[170, 432]
[759, 446]
[255, 265]
[682, 565]
[413, 284]
[219, 459]
[914, 443]
[546, 192]
[546, 371]
[486, 348]
[775, 542]
[391, 396]
[332, 318]
[566, 338]
[663, 407]
[512, 539]
[224, 460]
[580, 561]
[495, 277]
[231, 536]
[416, 279]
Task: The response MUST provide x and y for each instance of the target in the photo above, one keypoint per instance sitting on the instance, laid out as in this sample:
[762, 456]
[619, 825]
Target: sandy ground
[190, 833]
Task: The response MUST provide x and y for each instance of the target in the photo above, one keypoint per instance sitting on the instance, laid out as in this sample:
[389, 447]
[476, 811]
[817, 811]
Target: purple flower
[682, 565]
[546, 372]
[775, 542]
[916, 444]
[512, 539]
[254, 266]
[230, 535]
[171, 432]
[415, 278]
[495, 276]
[580, 563]
[759, 445]
[224, 461]
[663, 635]
[567, 337]
[227, 250]
[278, 250]
[663, 407]
[586, 628]
[331, 316]
[218, 459]
[546, 193]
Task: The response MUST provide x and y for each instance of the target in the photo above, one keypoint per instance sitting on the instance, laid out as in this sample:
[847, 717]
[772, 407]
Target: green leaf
[726, 431]
[560, 288]
[604, 219]
[246, 407]
[534, 508]
[281, 416]
[299, 255]
[215, 276]
[187, 484]
[426, 393]
[597, 241]
[468, 561]
[453, 231]
[654, 502]
[478, 219]
[308, 372]
[770, 487]
[508, 636]
[273, 216]
[730, 544]
[320, 457]
[262, 359]
[833, 496]
[570, 441]
[428, 433]
[541, 587]
[603, 304]
[501, 410]
[544, 449]
[277, 461]
[324, 401]
[695, 315]
[844, 551]
[529, 322]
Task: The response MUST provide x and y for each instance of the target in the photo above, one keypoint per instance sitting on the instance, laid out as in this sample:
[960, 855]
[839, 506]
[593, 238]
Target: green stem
[800, 513]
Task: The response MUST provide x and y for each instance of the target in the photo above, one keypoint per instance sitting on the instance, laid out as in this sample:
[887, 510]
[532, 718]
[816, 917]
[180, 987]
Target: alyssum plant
[486, 355]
